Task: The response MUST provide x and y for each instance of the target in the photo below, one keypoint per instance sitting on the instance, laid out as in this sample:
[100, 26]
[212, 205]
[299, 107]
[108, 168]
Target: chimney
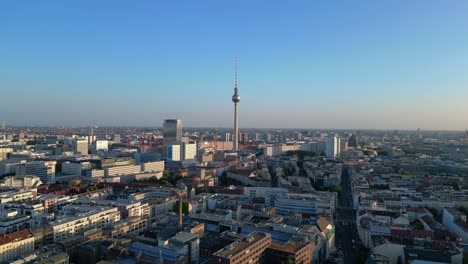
[180, 212]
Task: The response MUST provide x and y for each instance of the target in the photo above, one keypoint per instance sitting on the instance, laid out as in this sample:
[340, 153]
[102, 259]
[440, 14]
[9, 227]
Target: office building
[3, 124]
[80, 146]
[181, 151]
[228, 137]
[152, 166]
[45, 170]
[249, 249]
[101, 145]
[174, 152]
[116, 139]
[190, 151]
[332, 147]
[172, 131]
[304, 204]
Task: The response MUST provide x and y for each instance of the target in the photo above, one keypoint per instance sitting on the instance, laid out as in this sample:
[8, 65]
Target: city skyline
[368, 65]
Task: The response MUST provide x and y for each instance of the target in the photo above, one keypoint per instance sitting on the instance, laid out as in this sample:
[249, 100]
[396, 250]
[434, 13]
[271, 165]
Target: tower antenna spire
[236, 72]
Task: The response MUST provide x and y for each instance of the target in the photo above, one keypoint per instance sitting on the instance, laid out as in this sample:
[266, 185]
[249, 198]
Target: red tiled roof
[19, 235]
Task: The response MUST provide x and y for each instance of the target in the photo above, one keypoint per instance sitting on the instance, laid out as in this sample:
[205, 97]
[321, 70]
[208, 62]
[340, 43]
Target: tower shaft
[236, 128]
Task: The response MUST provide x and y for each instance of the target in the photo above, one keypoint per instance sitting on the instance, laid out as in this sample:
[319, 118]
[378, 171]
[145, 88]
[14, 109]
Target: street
[346, 231]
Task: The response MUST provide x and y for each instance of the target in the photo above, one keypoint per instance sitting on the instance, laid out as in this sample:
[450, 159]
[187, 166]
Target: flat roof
[240, 245]
[290, 247]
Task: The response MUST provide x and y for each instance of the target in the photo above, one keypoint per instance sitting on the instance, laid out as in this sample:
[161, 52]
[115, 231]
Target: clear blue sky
[307, 64]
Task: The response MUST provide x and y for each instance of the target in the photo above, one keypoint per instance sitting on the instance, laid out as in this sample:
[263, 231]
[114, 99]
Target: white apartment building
[67, 226]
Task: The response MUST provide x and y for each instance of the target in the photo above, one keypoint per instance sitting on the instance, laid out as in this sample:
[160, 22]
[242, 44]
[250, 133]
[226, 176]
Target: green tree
[153, 179]
[418, 225]
[185, 208]
[166, 174]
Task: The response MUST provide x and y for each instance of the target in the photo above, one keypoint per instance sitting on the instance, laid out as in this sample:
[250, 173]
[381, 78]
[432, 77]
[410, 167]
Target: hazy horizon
[381, 65]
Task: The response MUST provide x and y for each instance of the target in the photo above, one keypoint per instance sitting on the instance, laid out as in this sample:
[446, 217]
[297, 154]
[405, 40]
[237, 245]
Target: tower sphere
[236, 98]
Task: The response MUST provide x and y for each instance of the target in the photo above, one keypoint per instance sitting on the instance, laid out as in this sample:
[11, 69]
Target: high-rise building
[257, 136]
[236, 100]
[181, 151]
[332, 147]
[338, 146]
[174, 152]
[116, 138]
[245, 138]
[190, 151]
[80, 146]
[3, 124]
[228, 137]
[91, 136]
[298, 136]
[45, 170]
[172, 131]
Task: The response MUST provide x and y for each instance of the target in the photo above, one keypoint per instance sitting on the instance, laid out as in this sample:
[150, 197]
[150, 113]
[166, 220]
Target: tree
[153, 179]
[418, 225]
[185, 208]
[164, 182]
[166, 174]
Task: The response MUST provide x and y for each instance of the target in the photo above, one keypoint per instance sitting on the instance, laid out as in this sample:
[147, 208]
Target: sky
[388, 64]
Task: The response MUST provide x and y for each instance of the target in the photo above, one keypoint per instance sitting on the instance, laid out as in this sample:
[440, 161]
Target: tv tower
[236, 100]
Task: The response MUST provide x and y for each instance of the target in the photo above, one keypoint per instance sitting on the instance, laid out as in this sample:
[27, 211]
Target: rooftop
[240, 245]
[15, 236]
[290, 247]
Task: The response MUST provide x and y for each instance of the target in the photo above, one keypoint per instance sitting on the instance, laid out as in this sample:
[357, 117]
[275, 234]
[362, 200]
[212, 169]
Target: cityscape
[145, 176]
